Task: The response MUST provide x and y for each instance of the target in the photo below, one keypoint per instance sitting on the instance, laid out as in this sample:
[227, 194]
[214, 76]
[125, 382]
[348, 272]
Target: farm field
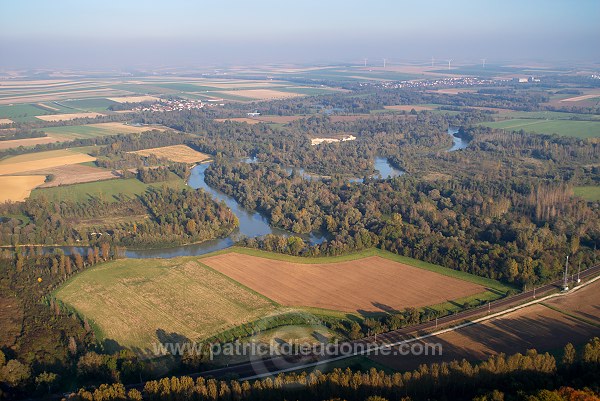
[579, 129]
[106, 190]
[42, 160]
[18, 187]
[589, 193]
[585, 303]
[134, 99]
[175, 153]
[260, 94]
[137, 302]
[368, 284]
[26, 142]
[5, 121]
[95, 130]
[93, 104]
[550, 115]
[21, 112]
[67, 117]
[535, 326]
[74, 174]
[129, 300]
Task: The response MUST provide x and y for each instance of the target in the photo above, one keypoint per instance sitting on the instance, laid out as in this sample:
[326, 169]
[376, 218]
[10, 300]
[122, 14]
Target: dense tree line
[175, 217]
[41, 339]
[151, 175]
[21, 134]
[515, 231]
[529, 376]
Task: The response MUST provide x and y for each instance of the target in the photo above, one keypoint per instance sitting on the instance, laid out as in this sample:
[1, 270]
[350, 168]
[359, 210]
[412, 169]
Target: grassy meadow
[590, 193]
[572, 128]
[107, 190]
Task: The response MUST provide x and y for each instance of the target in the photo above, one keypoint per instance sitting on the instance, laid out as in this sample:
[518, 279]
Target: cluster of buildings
[171, 105]
[433, 83]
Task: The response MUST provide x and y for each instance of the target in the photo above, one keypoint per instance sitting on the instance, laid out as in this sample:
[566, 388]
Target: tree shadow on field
[365, 314]
[385, 308]
[495, 291]
[111, 346]
[172, 338]
[319, 337]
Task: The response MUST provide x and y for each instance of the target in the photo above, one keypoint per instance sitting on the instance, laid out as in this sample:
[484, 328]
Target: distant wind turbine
[365, 62]
[384, 60]
[449, 61]
[483, 62]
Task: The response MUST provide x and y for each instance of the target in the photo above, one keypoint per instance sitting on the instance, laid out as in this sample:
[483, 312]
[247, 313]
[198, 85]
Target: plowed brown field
[368, 284]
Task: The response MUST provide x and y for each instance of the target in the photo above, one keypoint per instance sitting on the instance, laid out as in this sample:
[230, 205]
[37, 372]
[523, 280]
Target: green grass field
[77, 131]
[550, 115]
[589, 193]
[22, 112]
[305, 91]
[578, 129]
[94, 105]
[70, 132]
[107, 190]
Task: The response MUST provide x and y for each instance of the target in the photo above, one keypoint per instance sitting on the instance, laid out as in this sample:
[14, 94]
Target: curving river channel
[253, 224]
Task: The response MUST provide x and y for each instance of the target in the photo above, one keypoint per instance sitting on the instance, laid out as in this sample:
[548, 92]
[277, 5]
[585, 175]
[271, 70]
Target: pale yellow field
[17, 188]
[26, 142]
[47, 106]
[176, 153]
[41, 160]
[66, 117]
[5, 121]
[133, 99]
[579, 98]
[136, 302]
[261, 94]
[241, 84]
[74, 174]
[45, 97]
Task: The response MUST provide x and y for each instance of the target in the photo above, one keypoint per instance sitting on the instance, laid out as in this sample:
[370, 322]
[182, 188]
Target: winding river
[253, 224]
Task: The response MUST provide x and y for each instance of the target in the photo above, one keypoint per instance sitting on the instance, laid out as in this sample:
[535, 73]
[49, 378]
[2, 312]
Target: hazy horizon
[142, 34]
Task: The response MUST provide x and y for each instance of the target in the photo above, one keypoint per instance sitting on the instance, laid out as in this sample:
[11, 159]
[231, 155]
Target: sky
[180, 33]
